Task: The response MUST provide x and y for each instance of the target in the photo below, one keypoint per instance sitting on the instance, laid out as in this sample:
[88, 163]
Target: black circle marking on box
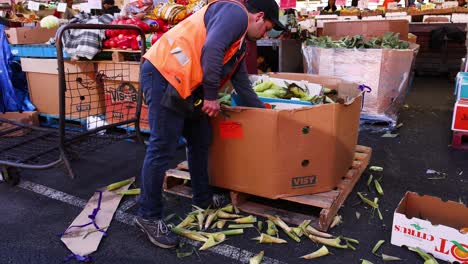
[82, 97]
[305, 163]
[306, 130]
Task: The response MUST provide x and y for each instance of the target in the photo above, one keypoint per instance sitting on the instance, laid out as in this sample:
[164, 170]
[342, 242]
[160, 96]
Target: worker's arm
[225, 24]
[243, 87]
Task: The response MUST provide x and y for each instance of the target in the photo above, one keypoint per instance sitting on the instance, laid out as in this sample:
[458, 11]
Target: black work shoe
[220, 200]
[157, 231]
[216, 202]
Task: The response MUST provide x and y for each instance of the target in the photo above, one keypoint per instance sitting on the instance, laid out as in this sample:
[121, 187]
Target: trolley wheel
[10, 175]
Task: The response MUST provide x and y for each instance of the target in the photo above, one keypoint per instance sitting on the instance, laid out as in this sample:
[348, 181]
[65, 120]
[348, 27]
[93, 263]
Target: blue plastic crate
[461, 86]
[36, 51]
[236, 101]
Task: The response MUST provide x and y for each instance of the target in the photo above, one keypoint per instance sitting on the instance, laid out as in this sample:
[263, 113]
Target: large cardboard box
[366, 28]
[432, 225]
[281, 153]
[385, 71]
[84, 96]
[28, 118]
[460, 116]
[26, 35]
[121, 85]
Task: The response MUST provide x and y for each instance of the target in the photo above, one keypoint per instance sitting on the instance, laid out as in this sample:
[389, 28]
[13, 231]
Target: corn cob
[119, 184]
[323, 251]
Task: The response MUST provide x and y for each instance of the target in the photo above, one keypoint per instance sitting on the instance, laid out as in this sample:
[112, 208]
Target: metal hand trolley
[98, 104]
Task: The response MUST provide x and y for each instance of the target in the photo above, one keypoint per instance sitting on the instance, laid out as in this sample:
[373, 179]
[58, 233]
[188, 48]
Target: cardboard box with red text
[281, 153]
[432, 225]
[121, 85]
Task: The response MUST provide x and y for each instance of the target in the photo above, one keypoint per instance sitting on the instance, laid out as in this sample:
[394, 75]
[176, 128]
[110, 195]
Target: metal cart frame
[9, 168]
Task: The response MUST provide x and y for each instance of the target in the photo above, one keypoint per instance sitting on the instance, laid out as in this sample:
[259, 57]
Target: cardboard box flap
[366, 28]
[434, 210]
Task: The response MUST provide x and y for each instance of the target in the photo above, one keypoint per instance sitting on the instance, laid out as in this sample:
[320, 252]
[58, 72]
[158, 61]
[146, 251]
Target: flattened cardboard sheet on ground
[84, 241]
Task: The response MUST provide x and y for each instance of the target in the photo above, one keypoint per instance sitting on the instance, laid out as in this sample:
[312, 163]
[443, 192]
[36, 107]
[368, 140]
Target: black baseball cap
[271, 10]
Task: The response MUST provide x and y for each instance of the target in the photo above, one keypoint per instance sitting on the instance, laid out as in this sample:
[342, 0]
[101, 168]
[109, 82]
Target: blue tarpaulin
[14, 95]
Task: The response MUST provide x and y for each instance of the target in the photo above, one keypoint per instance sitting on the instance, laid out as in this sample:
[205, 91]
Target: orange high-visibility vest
[177, 54]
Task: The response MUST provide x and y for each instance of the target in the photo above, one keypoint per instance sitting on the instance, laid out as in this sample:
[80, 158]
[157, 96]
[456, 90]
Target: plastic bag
[14, 95]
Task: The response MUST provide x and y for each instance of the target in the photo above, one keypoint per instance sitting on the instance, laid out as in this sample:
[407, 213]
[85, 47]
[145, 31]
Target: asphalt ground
[46, 202]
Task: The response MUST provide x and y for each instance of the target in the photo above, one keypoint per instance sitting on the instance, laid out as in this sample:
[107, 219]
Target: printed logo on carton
[437, 243]
[304, 181]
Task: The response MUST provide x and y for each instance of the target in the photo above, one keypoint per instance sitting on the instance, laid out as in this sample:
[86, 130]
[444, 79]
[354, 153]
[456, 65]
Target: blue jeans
[166, 127]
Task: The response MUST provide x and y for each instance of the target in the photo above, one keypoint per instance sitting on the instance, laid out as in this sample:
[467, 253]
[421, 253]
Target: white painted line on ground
[223, 249]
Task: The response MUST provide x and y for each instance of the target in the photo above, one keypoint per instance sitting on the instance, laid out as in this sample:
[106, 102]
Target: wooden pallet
[176, 181]
[328, 203]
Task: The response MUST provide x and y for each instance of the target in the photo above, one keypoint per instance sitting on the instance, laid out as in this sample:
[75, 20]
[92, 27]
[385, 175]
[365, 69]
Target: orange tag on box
[230, 130]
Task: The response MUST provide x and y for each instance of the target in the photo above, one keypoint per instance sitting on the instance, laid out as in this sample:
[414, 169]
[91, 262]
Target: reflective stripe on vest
[177, 54]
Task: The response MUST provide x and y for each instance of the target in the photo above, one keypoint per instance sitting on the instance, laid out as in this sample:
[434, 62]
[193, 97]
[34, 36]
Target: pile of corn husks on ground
[209, 226]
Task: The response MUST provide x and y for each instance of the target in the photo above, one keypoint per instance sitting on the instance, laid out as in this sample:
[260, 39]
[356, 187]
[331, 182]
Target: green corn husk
[377, 246]
[336, 221]
[367, 201]
[288, 230]
[264, 238]
[222, 214]
[228, 208]
[279, 223]
[312, 231]
[332, 242]
[378, 187]
[259, 226]
[297, 231]
[130, 192]
[375, 168]
[210, 218]
[189, 234]
[246, 220]
[380, 214]
[428, 259]
[389, 258]
[271, 229]
[352, 240]
[370, 179]
[235, 226]
[200, 218]
[350, 246]
[188, 220]
[220, 224]
[257, 259]
[323, 251]
[117, 185]
[232, 232]
[213, 240]
[293, 236]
